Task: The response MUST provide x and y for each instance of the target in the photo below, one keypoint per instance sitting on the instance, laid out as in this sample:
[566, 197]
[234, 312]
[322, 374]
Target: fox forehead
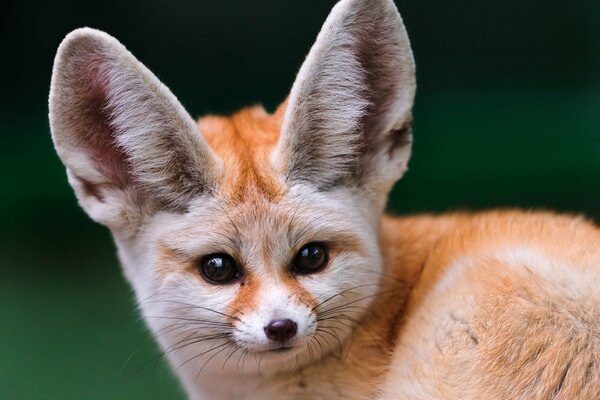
[265, 231]
[255, 215]
[263, 236]
[244, 142]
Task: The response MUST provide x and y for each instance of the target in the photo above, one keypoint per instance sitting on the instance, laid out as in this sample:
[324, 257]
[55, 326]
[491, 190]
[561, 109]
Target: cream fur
[406, 308]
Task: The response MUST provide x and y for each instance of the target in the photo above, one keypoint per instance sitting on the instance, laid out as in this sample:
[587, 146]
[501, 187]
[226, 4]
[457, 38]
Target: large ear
[129, 146]
[348, 120]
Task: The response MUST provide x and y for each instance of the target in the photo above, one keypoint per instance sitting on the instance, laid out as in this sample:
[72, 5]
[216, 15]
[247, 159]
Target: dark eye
[310, 259]
[219, 269]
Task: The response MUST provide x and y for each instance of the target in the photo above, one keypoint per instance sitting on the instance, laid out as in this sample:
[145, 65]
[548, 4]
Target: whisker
[195, 339]
[356, 301]
[343, 307]
[309, 348]
[207, 361]
[198, 307]
[337, 319]
[246, 352]
[235, 349]
[259, 363]
[295, 365]
[329, 345]
[204, 352]
[317, 335]
[191, 321]
[341, 294]
[326, 330]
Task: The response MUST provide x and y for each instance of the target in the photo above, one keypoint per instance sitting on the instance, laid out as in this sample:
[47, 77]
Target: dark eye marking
[310, 259]
[219, 269]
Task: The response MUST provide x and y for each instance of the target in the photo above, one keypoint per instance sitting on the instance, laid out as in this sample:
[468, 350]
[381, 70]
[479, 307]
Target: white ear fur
[348, 119]
[127, 143]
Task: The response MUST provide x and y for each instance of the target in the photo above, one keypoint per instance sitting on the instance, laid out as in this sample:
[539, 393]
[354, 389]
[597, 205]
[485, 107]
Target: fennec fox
[260, 256]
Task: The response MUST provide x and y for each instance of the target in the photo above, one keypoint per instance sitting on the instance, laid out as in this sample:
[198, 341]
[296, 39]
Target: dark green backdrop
[507, 114]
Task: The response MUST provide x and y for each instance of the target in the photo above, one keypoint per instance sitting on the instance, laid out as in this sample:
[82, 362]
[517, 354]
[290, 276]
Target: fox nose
[280, 330]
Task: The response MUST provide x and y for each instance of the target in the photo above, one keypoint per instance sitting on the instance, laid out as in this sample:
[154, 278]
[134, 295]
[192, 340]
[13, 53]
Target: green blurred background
[507, 114]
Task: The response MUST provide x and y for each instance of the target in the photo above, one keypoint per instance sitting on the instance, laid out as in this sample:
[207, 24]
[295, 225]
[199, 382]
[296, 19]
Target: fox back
[256, 243]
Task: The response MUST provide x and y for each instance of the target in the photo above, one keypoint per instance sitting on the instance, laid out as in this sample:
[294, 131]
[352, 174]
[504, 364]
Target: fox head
[252, 237]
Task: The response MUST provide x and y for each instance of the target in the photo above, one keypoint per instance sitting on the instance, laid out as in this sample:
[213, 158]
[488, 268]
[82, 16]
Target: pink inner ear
[93, 114]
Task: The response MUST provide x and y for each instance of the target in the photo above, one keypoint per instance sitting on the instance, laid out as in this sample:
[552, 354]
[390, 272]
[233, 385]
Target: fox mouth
[283, 348]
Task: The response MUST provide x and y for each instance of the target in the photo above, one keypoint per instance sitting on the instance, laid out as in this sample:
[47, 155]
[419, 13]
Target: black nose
[281, 330]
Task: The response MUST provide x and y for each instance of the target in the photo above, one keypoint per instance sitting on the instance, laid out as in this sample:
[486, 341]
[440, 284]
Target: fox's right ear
[348, 118]
[129, 146]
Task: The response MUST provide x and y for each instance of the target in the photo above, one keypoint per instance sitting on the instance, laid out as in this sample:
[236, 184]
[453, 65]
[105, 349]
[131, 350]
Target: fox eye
[219, 269]
[310, 259]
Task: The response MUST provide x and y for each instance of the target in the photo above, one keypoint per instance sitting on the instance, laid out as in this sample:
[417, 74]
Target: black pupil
[310, 258]
[219, 268]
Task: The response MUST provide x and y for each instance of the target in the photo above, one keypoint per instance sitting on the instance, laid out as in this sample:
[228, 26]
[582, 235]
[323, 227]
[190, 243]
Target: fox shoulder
[504, 305]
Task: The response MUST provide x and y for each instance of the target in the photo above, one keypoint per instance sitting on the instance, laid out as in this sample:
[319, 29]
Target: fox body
[260, 255]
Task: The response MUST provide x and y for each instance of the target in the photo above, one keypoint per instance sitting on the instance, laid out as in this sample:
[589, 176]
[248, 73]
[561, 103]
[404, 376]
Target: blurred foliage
[507, 115]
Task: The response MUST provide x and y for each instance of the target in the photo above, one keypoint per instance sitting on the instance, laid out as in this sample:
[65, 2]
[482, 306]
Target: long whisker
[329, 345]
[211, 357]
[243, 359]
[195, 339]
[204, 352]
[345, 307]
[327, 331]
[341, 293]
[356, 301]
[198, 307]
[185, 327]
[339, 319]
[235, 349]
[190, 320]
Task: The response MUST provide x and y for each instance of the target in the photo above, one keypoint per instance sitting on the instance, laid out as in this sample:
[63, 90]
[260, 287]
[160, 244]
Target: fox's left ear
[348, 120]
[129, 146]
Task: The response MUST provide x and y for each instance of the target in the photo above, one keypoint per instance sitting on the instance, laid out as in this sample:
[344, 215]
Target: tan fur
[495, 305]
[499, 331]
[243, 142]
[245, 297]
[522, 337]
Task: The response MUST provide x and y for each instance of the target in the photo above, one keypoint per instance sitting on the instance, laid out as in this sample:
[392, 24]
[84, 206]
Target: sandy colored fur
[497, 329]
[493, 305]
[516, 334]
[243, 142]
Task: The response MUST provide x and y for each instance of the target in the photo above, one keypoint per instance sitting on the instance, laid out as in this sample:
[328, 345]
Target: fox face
[251, 241]
[281, 280]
